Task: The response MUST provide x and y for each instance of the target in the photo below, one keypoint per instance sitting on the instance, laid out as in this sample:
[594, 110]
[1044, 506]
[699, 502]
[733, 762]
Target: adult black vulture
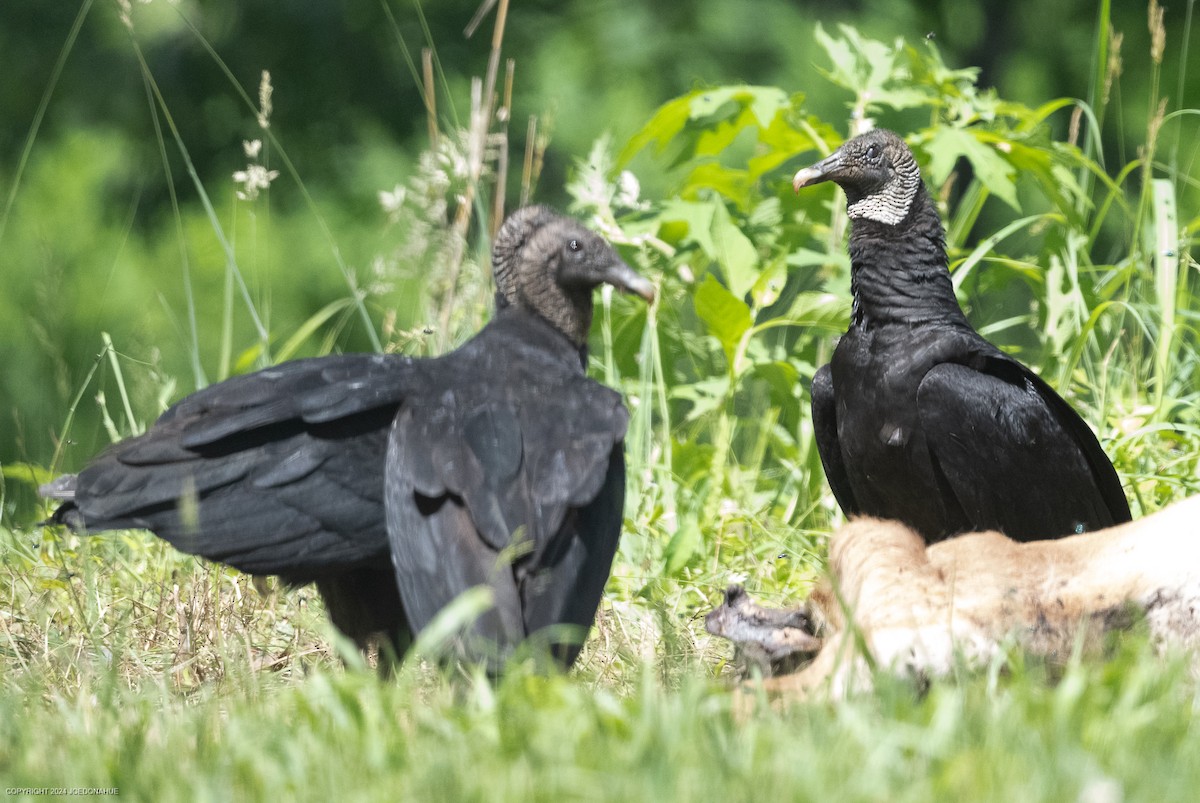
[917, 417]
[395, 484]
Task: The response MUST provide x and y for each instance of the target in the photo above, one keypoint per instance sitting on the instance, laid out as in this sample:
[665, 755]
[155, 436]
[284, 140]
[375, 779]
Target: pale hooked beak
[625, 279]
[822, 171]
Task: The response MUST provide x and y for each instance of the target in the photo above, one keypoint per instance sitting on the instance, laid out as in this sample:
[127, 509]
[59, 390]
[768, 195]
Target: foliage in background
[1084, 284]
[142, 667]
[95, 238]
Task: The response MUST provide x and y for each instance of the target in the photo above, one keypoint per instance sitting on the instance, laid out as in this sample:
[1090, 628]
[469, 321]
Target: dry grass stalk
[483, 94]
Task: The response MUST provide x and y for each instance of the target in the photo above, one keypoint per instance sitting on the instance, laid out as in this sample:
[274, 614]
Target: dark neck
[567, 309]
[535, 330]
[899, 274]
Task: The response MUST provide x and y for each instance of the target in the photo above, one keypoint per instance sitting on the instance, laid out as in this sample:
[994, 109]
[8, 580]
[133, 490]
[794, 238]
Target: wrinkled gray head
[877, 172]
[550, 264]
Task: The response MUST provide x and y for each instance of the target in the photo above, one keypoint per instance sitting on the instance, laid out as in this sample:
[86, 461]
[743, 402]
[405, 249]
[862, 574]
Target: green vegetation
[124, 664]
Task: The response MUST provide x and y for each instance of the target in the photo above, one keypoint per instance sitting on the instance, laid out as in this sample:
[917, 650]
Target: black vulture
[394, 483]
[917, 417]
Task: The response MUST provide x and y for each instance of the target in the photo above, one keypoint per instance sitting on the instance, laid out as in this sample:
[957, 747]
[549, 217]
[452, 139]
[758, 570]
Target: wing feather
[825, 429]
[237, 473]
[1010, 457]
[524, 494]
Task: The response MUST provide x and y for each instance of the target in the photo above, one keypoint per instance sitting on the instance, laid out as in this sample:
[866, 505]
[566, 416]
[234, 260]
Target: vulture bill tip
[805, 177]
[624, 278]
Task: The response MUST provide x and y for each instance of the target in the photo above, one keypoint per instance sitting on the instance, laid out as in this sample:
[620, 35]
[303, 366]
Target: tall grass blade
[356, 294]
[1166, 282]
[310, 327]
[40, 114]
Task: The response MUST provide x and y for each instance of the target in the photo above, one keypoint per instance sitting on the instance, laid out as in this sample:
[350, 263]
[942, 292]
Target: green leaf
[864, 66]
[844, 71]
[683, 546]
[734, 252]
[712, 137]
[697, 217]
[726, 316]
[901, 98]
[663, 127]
[705, 395]
[27, 472]
[710, 226]
[770, 282]
[725, 181]
[691, 461]
[763, 102]
[991, 170]
[779, 143]
[707, 122]
[247, 360]
[309, 327]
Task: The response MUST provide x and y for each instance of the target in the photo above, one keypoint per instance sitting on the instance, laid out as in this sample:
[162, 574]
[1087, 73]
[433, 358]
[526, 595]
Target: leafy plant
[756, 281]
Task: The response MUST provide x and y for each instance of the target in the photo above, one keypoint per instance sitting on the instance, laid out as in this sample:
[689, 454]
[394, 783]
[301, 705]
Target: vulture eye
[574, 245]
[872, 152]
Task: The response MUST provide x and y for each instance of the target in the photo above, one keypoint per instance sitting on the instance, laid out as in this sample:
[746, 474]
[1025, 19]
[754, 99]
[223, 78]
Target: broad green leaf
[808, 258]
[706, 121]
[770, 281]
[844, 71]
[768, 213]
[696, 216]
[864, 66]
[726, 316]
[663, 127]
[735, 252]
[728, 182]
[878, 57]
[764, 102]
[1052, 168]
[992, 171]
[713, 139]
[819, 311]
[901, 97]
[710, 227]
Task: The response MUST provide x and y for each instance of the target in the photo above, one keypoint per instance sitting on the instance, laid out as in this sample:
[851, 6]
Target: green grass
[126, 665]
[190, 717]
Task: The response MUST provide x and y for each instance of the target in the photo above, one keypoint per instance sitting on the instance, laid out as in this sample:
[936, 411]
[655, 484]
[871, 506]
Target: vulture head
[877, 172]
[550, 264]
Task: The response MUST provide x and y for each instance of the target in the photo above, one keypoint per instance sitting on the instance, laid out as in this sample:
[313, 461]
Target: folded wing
[515, 487]
[1010, 451]
[276, 472]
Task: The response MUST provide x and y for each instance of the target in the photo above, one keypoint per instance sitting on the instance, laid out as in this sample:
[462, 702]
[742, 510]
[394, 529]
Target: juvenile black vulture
[917, 417]
[396, 483]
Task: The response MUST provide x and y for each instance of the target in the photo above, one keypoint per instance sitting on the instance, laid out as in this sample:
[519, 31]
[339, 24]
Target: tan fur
[917, 610]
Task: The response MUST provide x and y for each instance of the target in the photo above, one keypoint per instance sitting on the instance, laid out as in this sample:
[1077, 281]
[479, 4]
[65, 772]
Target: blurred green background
[90, 242]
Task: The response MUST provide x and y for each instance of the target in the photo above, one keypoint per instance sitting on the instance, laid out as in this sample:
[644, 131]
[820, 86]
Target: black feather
[397, 484]
[917, 417]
